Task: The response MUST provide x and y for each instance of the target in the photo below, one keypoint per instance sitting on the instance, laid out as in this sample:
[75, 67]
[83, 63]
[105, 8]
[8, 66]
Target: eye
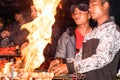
[93, 4]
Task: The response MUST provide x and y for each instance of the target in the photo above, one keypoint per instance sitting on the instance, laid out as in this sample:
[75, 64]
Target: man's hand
[5, 33]
[57, 67]
[60, 69]
[54, 63]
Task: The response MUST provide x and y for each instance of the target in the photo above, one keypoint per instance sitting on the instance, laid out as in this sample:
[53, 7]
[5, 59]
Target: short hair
[26, 13]
[103, 1]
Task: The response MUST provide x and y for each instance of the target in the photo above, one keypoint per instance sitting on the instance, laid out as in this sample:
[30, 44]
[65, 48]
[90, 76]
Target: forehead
[78, 10]
[94, 1]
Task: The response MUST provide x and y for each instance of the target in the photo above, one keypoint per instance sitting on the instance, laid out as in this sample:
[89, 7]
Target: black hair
[26, 13]
[82, 1]
[103, 1]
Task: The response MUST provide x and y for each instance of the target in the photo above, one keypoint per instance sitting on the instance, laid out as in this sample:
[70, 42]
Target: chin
[93, 17]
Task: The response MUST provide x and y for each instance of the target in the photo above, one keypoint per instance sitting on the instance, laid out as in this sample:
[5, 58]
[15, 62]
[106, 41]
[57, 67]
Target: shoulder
[71, 31]
[111, 28]
[68, 33]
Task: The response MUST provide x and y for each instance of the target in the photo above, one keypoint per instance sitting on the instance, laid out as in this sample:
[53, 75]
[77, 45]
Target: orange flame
[40, 32]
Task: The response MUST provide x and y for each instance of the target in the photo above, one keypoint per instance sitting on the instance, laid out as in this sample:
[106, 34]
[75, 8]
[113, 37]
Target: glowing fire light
[40, 32]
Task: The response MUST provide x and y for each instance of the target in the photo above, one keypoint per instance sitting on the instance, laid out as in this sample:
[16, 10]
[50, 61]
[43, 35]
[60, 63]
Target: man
[99, 56]
[71, 40]
[14, 30]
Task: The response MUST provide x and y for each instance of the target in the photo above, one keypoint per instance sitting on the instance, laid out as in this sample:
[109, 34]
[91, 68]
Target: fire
[40, 32]
[6, 69]
[40, 35]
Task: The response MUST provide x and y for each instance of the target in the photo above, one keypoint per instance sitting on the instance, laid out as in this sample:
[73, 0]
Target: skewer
[76, 72]
[12, 71]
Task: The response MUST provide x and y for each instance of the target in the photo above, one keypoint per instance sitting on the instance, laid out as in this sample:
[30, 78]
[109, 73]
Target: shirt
[79, 40]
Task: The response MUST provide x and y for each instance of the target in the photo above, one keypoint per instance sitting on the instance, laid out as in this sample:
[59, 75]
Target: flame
[40, 32]
[6, 69]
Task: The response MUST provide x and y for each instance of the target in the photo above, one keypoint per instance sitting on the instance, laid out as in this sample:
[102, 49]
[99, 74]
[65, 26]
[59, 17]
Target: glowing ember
[40, 32]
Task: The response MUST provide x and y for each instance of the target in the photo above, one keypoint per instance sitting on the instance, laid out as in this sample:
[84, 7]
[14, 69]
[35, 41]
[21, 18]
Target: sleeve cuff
[70, 67]
[64, 60]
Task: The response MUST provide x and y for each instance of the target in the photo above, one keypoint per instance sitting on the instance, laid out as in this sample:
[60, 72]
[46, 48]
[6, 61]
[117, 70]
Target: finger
[58, 71]
[51, 66]
[53, 63]
[61, 69]
[52, 69]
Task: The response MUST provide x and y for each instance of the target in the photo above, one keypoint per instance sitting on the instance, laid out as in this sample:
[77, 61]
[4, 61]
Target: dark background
[6, 9]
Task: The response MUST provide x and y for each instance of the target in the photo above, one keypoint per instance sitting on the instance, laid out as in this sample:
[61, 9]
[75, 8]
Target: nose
[89, 8]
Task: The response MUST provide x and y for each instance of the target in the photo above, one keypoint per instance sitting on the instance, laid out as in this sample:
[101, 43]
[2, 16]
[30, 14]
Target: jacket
[66, 44]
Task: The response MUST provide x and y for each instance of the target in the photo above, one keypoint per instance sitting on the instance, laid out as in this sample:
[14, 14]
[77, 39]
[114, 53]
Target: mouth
[91, 13]
[77, 19]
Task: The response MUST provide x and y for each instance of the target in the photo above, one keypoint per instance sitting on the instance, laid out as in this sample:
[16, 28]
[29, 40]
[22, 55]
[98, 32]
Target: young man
[14, 31]
[98, 59]
[71, 40]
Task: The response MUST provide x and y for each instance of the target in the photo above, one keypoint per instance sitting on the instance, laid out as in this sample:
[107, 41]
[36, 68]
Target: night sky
[6, 11]
[115, 10]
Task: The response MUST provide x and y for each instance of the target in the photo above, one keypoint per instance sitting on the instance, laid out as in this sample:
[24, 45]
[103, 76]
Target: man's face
[80, 17]
[96, 9]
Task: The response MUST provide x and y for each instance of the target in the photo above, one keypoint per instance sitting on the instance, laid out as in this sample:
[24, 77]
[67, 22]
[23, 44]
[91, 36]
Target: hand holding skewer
[57, 67]
[53, 64]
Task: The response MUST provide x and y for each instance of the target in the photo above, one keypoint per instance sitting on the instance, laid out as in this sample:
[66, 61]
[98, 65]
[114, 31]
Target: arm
[61, 46]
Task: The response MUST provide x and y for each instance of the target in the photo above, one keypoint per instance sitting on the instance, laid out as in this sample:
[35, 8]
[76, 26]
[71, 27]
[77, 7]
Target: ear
[106, 5]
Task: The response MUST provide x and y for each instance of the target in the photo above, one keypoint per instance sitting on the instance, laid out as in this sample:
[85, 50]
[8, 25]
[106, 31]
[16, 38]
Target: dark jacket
[18, 36]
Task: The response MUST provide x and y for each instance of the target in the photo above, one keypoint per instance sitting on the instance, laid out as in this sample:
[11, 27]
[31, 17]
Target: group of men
[100, 53]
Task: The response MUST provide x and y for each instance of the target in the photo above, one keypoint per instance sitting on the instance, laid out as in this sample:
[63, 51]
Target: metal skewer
[12, 70]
